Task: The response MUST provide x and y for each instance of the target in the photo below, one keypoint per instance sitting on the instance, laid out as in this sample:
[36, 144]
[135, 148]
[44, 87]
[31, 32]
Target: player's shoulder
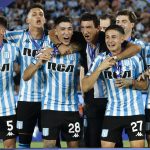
[136, 58]
[20, 31]
[8, 43]
[139, 42]
[101, 56]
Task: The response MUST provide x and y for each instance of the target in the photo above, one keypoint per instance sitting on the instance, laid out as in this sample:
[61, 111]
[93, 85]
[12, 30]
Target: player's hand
[144, 75]
[65, 49]
[45, 54]
[53, 37]
[107, 63]
[147, 73]
[122, 82]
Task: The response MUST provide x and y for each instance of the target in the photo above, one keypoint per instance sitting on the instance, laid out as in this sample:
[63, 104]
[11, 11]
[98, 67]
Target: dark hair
[90, 17]
[108, 16]
[115, 27]
[3, 21]
[130, 14]
[62, 19]
[35, 5]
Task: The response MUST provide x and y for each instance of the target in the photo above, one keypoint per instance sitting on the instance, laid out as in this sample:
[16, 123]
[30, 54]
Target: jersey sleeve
[98, 60]
[14, 36]
[18, 56]
[138, 65]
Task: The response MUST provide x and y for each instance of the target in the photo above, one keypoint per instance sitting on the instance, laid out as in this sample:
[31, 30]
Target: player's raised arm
[131, 50]
[89, 81]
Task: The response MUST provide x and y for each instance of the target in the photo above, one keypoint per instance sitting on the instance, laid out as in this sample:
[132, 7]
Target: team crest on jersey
[104, 132]
[6, 55]
[45, 131]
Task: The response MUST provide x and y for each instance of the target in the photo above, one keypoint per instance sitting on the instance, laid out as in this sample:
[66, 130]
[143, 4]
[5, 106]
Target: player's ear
[122, 38]
[56, 33]
[27, 20]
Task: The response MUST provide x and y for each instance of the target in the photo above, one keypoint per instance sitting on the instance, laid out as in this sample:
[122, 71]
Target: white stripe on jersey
[147, 61]
[61, 83]
[31, 90]
[125, 101]
[102, 92]
[142, 44]
[8, 55]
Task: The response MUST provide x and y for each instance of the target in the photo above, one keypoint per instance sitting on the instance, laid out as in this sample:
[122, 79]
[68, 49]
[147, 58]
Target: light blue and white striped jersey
[142, 44]
[122, 101]
[102, 92]
[147, 61]
[8, 55]
[62, 76]
[32, 90]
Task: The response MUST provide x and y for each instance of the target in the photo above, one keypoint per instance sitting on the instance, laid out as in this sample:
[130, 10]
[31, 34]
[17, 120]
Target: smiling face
[89, 30]
[114, 39]
[36, 18]
[125, 23]
[64, 32]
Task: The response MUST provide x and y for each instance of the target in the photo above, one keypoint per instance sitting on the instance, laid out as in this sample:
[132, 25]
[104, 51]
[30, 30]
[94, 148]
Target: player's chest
[123, 70]
[63, 64]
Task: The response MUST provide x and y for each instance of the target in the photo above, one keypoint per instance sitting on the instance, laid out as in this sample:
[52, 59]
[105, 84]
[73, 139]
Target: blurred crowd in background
[16, 11]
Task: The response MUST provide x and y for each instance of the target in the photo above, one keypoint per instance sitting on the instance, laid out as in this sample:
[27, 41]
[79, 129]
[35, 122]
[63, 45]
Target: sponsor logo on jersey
[111, 75]
[4, 67]
[60, 67]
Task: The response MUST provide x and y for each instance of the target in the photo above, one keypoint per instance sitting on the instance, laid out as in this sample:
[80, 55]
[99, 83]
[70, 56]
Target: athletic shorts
[114, 125]
[8, 127]
[54, 122]
[28, 115]
[147, 117]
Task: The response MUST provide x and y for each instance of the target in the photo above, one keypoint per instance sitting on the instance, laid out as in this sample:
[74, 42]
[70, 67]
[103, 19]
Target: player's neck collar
[45, 31]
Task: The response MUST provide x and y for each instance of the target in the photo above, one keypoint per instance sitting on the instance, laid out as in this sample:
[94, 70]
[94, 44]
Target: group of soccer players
[112, 76]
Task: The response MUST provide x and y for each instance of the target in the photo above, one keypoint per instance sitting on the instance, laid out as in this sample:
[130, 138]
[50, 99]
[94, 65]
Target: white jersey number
[9, 125]
[74, 128]
[137, 126]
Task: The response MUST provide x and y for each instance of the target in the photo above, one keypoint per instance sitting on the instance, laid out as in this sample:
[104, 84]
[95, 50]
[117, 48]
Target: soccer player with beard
[8, 57]
[125, 108]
